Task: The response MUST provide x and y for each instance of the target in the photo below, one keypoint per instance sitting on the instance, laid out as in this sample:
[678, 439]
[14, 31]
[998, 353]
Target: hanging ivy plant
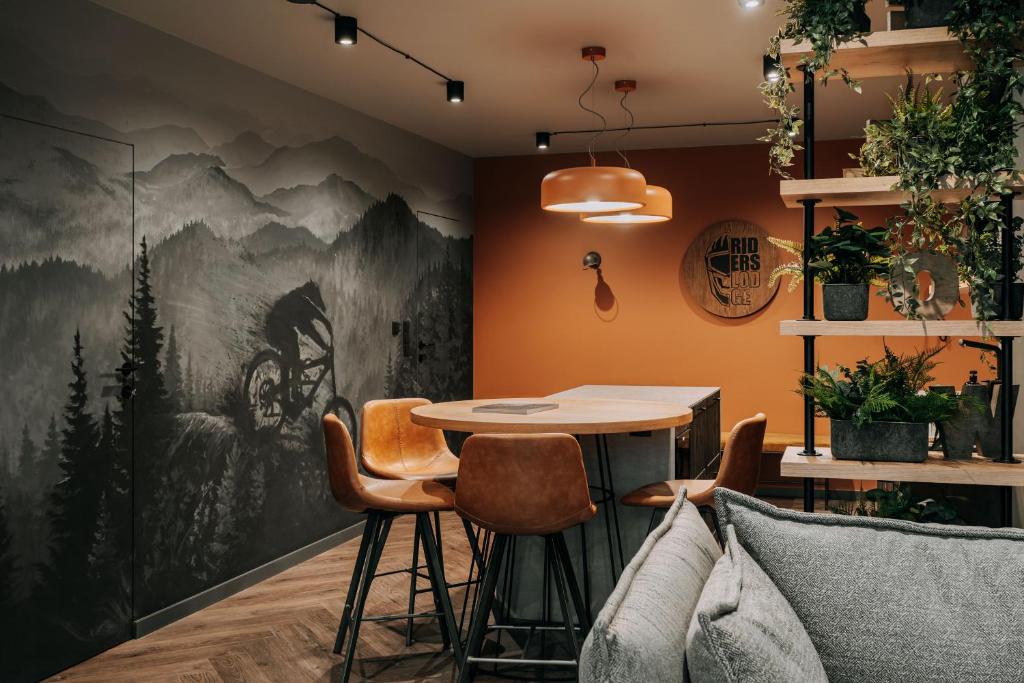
[988, 115]
[967, 142]
[824, 24]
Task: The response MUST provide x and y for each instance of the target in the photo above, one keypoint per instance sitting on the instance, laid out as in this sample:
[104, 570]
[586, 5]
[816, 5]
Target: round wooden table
[577, 416]
[572, 416]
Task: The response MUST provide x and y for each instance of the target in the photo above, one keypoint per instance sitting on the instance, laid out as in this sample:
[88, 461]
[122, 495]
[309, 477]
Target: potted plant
[925, 13]
[847, 259]
[877, 409]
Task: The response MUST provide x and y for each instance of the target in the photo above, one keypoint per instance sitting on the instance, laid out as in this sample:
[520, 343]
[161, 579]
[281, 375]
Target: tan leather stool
[382, 501]
[394, 447]
[739, 471]
[524, 485]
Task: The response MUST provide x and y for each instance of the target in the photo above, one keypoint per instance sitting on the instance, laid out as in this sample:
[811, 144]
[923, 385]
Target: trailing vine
[968, 142]
[824, 24]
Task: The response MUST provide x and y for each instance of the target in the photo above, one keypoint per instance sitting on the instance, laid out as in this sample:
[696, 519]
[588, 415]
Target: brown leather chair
[523, 485]
[383, 500]
[394, 447]
[739, 471]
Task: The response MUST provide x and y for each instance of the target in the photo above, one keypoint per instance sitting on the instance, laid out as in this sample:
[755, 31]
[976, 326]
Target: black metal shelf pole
[1006, 402]
[809, 365]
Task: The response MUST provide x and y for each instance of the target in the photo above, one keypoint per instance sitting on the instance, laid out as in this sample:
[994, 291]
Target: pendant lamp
[658, 201]
[592, 189]
[657, 209]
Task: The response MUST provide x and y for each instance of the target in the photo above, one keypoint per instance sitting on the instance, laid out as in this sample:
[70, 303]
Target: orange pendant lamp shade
[657, 208]
[592, 189]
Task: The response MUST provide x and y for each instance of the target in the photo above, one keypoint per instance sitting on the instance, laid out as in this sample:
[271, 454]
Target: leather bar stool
[382, 501]
[740, 471]
[394, 447]
[524, 485]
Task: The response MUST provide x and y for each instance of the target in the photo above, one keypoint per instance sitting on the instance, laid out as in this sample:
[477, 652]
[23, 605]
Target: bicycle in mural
[282, 382]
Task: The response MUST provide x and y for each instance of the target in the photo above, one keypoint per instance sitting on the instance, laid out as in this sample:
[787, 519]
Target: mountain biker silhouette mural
[221, 232]
[280, 383]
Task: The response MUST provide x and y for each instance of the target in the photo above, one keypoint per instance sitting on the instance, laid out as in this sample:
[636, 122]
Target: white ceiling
[695, 60]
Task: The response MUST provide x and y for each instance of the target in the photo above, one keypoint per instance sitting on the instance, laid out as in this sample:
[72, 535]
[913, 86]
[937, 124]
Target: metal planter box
[880, 441]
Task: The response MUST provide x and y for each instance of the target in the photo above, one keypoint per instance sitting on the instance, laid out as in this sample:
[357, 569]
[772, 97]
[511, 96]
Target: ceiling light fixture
[657, 210]
[658, 201]
[750, 4]
[346, 30]
[592, 189]
[773, 70]
[543, 139]
[456, 91]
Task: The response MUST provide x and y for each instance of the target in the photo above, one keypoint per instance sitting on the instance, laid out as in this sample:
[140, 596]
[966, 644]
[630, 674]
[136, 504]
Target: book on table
[515, 408]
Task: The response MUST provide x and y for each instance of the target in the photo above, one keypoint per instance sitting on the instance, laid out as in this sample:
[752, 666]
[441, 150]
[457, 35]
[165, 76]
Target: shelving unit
[890, 53]
[901, 328]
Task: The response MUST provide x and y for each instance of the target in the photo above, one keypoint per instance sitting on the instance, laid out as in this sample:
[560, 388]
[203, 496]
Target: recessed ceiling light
[750, 4]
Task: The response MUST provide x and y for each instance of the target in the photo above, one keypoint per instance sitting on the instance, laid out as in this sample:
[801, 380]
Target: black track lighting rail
[384, 43]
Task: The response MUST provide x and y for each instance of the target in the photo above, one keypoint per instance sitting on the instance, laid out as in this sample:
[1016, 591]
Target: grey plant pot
[880, 441]
[926, 13]
[845, 302]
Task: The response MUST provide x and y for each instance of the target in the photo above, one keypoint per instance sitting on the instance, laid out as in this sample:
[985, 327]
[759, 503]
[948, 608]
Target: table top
[937, 470]
[573, 416]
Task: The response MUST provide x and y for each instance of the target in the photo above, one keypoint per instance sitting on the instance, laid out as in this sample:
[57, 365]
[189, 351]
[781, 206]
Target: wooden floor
[283, 629]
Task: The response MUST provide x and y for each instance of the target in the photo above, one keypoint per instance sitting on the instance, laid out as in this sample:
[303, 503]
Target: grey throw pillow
[639, 636]
[744, 631]
[888, 600]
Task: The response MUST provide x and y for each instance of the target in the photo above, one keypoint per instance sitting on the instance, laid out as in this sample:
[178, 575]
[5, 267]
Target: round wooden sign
[726, 269]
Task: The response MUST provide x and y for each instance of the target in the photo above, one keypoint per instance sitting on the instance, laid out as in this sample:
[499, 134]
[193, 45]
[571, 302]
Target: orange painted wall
[536, 327]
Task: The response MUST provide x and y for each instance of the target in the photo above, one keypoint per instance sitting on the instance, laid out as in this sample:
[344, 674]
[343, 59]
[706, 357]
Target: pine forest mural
[235, 251]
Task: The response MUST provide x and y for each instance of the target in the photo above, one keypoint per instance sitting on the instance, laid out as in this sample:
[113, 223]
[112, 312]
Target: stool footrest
[396, 617]
[522, 662]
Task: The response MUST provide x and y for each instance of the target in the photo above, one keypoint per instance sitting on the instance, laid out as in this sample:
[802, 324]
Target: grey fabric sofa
[799, 597]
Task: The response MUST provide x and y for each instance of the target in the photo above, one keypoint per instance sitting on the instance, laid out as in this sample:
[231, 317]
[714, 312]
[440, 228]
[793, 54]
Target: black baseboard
[171, 613]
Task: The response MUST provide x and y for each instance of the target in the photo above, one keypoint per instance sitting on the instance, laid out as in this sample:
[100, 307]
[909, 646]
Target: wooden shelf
[866, 191]
[901, 328]
[935, 469]
[891, 53]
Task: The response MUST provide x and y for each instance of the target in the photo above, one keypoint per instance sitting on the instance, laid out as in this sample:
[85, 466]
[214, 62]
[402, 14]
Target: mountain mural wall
[173, 232]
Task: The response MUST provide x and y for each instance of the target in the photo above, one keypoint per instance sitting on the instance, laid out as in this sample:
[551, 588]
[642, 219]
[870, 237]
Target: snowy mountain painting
[235, 251]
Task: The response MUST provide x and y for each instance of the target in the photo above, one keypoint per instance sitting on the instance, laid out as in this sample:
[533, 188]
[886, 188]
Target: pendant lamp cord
[604, 123]
[630, 120]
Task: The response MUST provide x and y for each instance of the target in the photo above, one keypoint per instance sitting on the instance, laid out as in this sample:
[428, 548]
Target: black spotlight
[456, 91]
[773, 71]
[543, 140]
[592, 260]
[346, 30]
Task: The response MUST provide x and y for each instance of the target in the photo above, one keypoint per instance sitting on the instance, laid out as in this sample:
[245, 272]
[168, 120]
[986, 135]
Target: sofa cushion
[640, 633]
[890, 600]
[744, 630]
